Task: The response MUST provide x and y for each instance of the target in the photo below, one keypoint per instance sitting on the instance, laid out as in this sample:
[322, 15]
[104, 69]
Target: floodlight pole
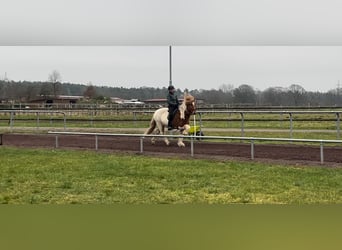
[170, 64]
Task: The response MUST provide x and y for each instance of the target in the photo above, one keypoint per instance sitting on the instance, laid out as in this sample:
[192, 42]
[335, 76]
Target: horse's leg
[161, 128]
[151, 129]
[167, 142]
[153, 139]
[185, 131]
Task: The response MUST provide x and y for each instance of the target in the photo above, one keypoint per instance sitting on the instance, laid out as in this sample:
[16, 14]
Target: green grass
[324, 129]
[99, 120]
[32, 176]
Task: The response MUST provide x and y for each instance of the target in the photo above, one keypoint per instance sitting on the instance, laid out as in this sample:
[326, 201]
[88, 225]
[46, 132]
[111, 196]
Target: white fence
[35, 112]
[252, 140]
[336, 114]
[290, 113]
[200, 113]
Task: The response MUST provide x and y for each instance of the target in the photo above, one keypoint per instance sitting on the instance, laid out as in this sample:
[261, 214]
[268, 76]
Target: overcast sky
[316, 68]
[125, 43]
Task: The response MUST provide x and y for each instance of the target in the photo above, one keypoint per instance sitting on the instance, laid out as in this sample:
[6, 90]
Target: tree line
[294, 95]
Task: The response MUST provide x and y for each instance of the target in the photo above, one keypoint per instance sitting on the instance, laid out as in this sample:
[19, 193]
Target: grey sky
[316, 68]
[165, 22]
[261, 43]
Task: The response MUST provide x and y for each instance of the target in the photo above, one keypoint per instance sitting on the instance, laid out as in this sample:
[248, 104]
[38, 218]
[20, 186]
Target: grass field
[32, 176]
[212, 120]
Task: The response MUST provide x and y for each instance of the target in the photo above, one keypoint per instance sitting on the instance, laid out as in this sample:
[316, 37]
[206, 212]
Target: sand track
[291, 154]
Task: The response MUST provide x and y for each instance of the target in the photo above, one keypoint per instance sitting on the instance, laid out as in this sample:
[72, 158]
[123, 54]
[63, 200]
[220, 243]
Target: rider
[172, 101]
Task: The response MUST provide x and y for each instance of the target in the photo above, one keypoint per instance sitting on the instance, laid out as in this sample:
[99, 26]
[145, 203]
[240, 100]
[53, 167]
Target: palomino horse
[180, 121]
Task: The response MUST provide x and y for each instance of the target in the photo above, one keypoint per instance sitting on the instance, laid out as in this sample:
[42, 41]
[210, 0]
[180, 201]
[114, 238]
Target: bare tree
[226, 88]
[273, 96]
[90, 92]
[297, 93]
[55, 78]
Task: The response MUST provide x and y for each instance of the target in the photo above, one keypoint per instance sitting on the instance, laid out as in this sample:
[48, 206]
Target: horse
[180, 121]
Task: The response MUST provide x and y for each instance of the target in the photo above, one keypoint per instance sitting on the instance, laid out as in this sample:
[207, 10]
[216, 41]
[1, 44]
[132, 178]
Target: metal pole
[200, 118]
[141, 144]
[291, 125]
[170, 64]
[195, 130]
[134, 119]
[242, 125]
[11, 122]
[192, 146]
[37, 121]
[96, 143]
[64, 122]
[252, 149]
[56, 141]
[338, 126]
[322, 154]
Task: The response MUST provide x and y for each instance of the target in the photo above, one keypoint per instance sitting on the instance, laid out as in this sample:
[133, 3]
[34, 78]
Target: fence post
[252, 148]
[64, 122]
[134, 119]
[96, 143]
[91, 111]
[291, 125]
[338, 125]
[200, 118]
[192, 145]
[11, 122]
[37, 121]
[242, 125]
[141, 144]
[322, 154]
[56, 144]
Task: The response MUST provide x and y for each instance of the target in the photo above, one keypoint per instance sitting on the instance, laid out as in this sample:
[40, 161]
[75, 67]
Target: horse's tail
[152, 127]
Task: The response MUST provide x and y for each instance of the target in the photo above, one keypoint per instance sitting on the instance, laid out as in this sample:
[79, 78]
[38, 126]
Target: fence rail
[36, 112]
[242, 113]
[192, 139]
[200, 114]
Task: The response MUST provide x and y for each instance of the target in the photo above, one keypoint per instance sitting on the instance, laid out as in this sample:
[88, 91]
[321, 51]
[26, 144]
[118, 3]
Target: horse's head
[190, 103]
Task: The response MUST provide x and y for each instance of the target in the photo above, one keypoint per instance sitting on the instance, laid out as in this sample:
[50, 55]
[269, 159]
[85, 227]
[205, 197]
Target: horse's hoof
[181, 145]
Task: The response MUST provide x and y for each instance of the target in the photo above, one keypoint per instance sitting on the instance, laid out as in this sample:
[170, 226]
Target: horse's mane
[188, 110]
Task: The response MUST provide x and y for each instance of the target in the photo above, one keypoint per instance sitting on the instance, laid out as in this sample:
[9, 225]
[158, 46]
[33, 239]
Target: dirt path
[291, 154]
